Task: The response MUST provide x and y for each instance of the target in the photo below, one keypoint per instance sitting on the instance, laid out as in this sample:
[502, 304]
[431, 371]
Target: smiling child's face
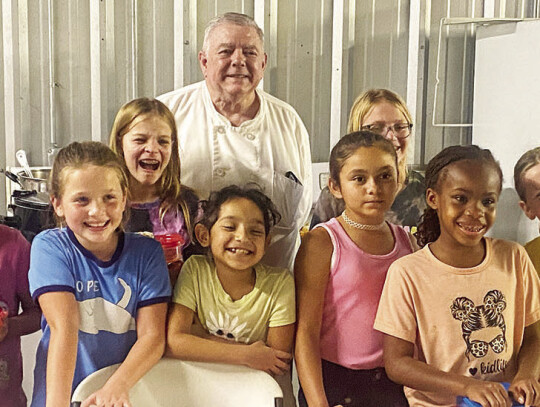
[238, 239]
[92, 205]
[531, 183]
[147, 148]
[465, 201]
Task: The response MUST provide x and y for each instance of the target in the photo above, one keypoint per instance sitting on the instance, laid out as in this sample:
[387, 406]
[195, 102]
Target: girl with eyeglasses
[463, 313]
[383, 112]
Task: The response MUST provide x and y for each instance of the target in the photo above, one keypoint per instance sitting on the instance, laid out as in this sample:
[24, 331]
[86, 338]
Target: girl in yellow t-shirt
[228, 307]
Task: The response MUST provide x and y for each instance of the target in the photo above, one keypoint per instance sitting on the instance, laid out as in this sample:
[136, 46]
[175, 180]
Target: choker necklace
[361, 226]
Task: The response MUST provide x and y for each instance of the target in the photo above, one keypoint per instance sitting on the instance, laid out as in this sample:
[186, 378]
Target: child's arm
[312, 268]
[403, 368]
[24, 323]
[144, 354]
[62, 354]
[525, 386]
[28, 321]
[182, 344]
[281, 338]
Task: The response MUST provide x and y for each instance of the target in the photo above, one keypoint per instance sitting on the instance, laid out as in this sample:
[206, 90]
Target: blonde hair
[170, 189]
[363, 105]
[75, 156]
[524, 164]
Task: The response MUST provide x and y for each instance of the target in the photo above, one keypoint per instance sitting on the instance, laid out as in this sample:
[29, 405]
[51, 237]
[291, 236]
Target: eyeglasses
[399, 130]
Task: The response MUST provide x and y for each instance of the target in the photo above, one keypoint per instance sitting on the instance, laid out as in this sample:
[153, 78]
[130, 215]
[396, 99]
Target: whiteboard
[506, 115]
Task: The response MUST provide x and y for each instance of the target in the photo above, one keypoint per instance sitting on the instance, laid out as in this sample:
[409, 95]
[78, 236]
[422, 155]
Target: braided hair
[429, 228]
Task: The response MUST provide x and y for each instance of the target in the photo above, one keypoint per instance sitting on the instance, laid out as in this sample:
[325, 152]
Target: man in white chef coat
[231, 132]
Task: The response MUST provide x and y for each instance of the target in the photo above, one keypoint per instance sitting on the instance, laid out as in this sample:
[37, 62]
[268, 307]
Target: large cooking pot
[39, 180]
[33, 212]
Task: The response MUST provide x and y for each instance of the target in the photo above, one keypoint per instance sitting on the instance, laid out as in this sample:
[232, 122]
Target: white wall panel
[449, 121]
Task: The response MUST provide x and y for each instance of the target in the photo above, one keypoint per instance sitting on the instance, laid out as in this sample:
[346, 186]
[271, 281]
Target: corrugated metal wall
[322, 54]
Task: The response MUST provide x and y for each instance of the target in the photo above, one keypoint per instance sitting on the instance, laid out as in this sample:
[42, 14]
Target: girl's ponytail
[429, 228]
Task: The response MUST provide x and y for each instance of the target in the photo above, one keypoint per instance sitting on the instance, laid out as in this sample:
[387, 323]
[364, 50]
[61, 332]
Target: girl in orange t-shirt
[463, 186]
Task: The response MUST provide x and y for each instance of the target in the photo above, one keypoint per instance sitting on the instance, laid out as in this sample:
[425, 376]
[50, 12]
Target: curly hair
[212, 205]
[429, 228]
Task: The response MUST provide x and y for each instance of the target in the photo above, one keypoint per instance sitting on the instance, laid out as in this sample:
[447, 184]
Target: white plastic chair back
[176, 383]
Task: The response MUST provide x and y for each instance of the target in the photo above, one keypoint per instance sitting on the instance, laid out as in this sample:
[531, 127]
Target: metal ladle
[21, 158]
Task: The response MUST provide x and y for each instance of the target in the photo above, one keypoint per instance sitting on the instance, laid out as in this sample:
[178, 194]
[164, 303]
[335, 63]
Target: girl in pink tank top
[340, 272]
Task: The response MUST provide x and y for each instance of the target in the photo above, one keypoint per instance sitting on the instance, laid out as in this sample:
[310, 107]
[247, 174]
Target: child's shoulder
[140, 240]
[6, 231]
[533, 245]
[319, 236]
[52, 236]
[271, 270]
[415, 261]
[198, 261]
[502, 247]
[140, 246]
[402, 231]
[422, 255]
[14, 248]
[198, 266]
[11, 236]
[273, 275]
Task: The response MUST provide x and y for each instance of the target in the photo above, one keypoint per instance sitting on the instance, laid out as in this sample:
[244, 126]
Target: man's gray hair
[231, 18]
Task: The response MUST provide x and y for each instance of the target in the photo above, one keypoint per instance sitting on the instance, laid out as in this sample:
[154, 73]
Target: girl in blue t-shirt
[103, 292]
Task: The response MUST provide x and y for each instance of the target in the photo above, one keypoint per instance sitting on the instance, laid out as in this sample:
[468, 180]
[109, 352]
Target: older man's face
[233, 63]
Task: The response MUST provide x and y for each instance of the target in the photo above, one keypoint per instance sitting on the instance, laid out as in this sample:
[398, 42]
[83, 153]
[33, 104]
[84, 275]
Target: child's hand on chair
[107, 397]
[262, 357]
[525, 391]
[487, 393]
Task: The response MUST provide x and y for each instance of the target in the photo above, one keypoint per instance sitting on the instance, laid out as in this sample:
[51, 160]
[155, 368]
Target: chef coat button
[250, 136]
[219, 172]
[221, 130]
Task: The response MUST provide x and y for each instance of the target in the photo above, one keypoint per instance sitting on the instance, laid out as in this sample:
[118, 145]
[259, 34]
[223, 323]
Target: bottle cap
[170, 240]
